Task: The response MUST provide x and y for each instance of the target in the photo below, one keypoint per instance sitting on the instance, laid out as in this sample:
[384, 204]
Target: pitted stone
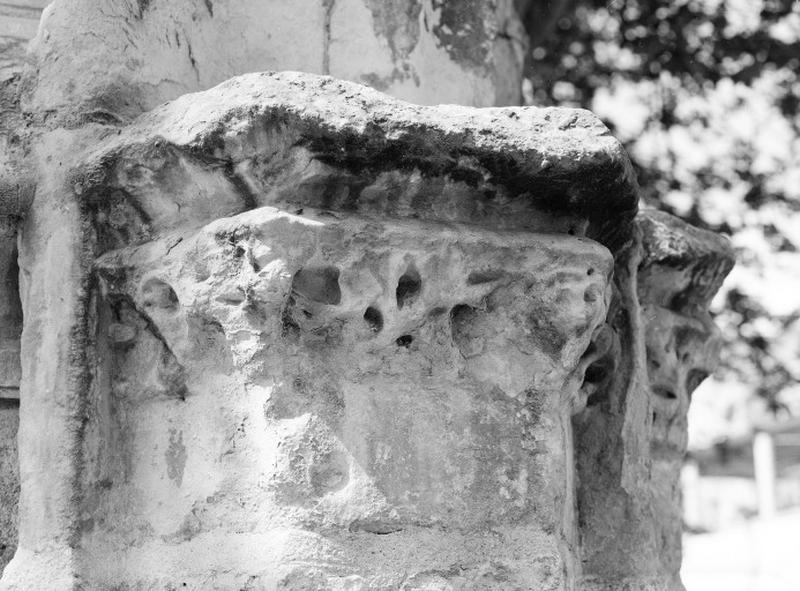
[291, 333]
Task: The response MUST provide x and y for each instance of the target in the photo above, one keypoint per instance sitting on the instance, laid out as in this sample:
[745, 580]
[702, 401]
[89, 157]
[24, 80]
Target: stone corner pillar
[290, 333]
[302, 335]
[631, 439]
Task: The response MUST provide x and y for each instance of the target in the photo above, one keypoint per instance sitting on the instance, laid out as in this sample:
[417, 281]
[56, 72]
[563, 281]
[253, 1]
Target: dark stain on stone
[191, 527]
[249, 199]
[115, 104]
[327, 9]
[190, 55]
[176, 456]
[548, 336]
[209, 7]
[374, 526]
[462, 31]
[398, 23]
[560, 189]
[398, 74]
[143, 5]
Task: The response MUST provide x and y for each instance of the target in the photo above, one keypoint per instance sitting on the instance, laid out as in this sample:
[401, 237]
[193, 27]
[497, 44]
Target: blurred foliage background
[705, 95]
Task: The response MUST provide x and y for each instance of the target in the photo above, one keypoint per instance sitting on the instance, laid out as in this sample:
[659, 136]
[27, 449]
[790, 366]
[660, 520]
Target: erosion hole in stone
[374, 319]
[461, 312]
[592, 294]
[404, 341]
[654, 364]
[595, 373]
[487, 276]
[158, 294]
[461, 317]
[663, 392]
[593, 382]
[318, 284]
[408, 287]
[590, 272]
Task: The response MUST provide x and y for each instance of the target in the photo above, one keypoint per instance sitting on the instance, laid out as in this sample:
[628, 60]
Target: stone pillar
[18, 24]
[338, 328]
[631, 440]
[291, 333]
[93, 66]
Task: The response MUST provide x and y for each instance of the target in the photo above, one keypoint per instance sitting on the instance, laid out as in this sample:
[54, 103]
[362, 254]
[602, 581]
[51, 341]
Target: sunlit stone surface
[291, 333]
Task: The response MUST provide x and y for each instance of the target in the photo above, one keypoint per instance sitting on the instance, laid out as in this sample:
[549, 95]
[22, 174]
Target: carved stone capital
[631, 440]
[290, 333]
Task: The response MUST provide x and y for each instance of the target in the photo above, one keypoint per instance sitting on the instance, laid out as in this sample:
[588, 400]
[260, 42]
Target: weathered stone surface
[18, 24]
[9, 479]
[109, 62]
[127, 57]
[295, 140]
[10, 310]
[363, 438]
[631, 439]
[16, 179]
[10, 329]
[289, 333]
[681, 271]
[368, 364]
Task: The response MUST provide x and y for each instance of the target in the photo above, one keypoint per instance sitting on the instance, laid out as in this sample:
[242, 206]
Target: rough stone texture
[340, 146]
[368, 365]
[290, 333]
[631, 439]
[10, 310]
[111, 61]
[384, 393]
[19, 21]
[9, 479]
[681, 269]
